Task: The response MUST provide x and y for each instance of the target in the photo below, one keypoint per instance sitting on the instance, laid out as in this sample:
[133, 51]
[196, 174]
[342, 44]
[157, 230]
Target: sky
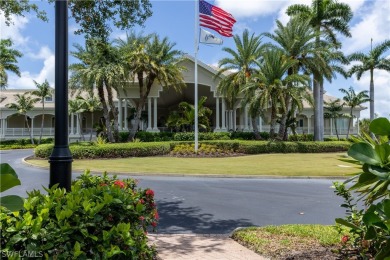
[176, 20]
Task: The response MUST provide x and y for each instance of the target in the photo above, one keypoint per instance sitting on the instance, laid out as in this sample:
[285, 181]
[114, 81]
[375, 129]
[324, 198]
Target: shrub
[205, 148]
[123, 137]
[154, 137]
[248, 135]
[100, 218]
[121, 150]
[302, 137]
[23, 143]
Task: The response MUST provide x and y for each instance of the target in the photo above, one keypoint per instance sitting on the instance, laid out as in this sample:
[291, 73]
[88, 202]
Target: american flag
[215, 18]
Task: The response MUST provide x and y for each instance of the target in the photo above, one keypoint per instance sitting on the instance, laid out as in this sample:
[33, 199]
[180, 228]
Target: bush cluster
[154, 137]
[209, 149]
[303, 138]
[23, 143]
[100, 218]
[122, 150]
[117, 150]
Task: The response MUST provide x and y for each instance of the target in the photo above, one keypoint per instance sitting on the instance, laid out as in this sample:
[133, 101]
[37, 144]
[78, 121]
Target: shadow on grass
[175, 219]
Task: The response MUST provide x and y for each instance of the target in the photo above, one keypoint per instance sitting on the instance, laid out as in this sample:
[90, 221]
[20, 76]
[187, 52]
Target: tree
[268, 85]
[18, 7]
[8, 60]
[334, 109]
[150, 59]
[326, 17]
[23, 104]
[353, 100]
[241, 64]
[100, 68]
[91, 104]
[77, 106]
[296, 39]
[42, 92]
[374, 60]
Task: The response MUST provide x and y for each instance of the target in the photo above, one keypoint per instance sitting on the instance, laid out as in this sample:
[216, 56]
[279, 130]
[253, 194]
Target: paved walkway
[200, 247]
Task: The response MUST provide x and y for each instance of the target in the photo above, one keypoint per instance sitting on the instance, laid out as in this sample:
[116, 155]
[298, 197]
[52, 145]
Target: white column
[120, 117]
[72, 124]
[2, 127]
[223, 115]
[250, 124]
[231, 126]
[246, 119]
[217, 128]
[5, 126]
[234, 119]
[331, 126]
[358, 125]
[149, 115]
[308, 124]
[155, 115]
[261, 124]
[126, 122]
[77, 124]
[32, 126]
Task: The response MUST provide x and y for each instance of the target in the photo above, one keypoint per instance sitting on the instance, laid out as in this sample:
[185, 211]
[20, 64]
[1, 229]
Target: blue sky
[175, 19]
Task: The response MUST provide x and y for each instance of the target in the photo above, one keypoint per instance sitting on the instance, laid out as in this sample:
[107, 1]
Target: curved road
[216, 205]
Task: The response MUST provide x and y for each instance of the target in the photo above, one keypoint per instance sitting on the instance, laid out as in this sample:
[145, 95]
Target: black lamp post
[61, 159]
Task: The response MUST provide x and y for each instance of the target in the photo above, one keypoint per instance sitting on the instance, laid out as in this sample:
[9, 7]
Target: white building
[159, 104]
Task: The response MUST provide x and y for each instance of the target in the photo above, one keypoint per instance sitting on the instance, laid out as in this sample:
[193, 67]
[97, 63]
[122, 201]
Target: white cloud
[27, 78]
[250, 8]
[13, 31]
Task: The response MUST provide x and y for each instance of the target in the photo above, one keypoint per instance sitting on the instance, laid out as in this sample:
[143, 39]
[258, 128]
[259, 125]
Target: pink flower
[150, 192]
[119, 183]
[142, 218]
[154, 224]
[141, 201]
[156, 216]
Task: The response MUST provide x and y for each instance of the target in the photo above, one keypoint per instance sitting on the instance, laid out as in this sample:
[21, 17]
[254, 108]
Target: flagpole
[196, 71]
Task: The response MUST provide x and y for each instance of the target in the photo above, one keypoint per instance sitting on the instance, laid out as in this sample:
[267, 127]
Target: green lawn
[325, 164]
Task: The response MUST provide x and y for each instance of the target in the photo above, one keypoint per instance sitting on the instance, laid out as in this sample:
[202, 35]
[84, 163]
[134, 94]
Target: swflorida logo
[21, 254]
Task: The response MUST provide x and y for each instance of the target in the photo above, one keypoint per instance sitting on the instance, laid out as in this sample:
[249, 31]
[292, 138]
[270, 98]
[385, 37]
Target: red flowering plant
[101, 217]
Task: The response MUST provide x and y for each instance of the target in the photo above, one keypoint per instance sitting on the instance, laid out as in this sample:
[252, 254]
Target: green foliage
[123, 137]
[190, 136]
[154, 137]
[123, 150]
[9, 179]
[18, 8]
[302, 137]
[258, 147]
[100, 218]
[372, 185]
[210, 149]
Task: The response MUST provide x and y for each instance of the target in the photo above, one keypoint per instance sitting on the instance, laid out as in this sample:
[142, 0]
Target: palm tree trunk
[114, 111]
[317, 109]
[90, 137]
[80, 127]
[106, 114]
[255, 128]
[350, 122]
[43, 120]
[29, 131]
[335, 127]
[273, 122]
[372, 107]
[283, 121]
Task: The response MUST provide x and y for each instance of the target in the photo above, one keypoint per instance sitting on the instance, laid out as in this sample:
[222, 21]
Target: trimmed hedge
[92, 151]
[121, 150]
[250, 147]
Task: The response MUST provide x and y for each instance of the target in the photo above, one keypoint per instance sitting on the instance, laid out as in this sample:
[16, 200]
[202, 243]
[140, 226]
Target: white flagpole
[196, 71]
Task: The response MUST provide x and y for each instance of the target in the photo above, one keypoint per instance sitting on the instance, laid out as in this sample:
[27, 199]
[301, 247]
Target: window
[49, 99]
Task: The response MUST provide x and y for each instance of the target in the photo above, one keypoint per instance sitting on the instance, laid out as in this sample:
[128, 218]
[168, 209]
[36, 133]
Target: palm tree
[296, 39]
[8, 60]
[353, 100]
[267, 87]
[374, 60]
[91, 104]
[326, 17]
[42, 92]
[100, 68]
[241, 64]
[23, 104]
[150, 59]
[77, 106]
[334, 109]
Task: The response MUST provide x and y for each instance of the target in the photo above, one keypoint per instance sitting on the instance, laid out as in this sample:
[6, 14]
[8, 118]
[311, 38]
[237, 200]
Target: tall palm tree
[23, 104]
[91, 104]
[327, 17]
[240, 65]
[8, 60]
[77, 106]
[42, 92]
[353, 100]
[268, 85]
[100, 67]
[370, 62]
[333, 110]
[296, 39]
[150, 61]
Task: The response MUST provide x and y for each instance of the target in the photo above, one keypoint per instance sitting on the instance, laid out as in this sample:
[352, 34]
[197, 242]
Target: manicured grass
[319, 164]
[276, 241]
